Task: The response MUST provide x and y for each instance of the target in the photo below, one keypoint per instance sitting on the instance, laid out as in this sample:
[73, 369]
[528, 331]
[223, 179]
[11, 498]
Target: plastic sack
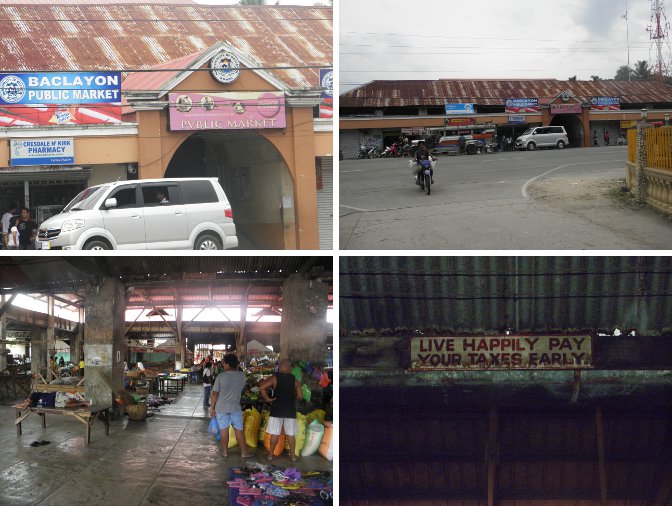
[300, 434]
[314, 433]
[325, 445]
[316, 374]
[262, 425]
[251, 423]
[213, 428]
[317, 414]
[298, 374]
[279, 448]
[307, 394]
[232, 437]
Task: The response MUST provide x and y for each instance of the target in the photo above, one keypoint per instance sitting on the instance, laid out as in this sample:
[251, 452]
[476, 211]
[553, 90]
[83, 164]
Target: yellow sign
[628, 124]
[503, 352]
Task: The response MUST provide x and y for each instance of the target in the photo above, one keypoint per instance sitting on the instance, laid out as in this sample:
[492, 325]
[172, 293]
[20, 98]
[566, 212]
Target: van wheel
[97, 245]
[561, 144]
[207, 242]
[531, 146]
[471, 149]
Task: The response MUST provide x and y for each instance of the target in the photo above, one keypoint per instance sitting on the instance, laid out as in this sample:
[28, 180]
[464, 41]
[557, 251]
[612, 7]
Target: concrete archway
[572, 125]
[254, 176]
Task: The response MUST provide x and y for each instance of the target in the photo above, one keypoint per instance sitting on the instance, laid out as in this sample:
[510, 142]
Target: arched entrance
[254, 176]
[573, 125]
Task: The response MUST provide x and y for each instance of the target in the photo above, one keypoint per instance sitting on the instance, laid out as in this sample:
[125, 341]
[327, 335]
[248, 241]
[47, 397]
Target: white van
[543, 137]
[191, 213]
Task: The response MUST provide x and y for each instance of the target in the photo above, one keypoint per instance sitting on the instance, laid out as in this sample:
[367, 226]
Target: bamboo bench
[86, 414]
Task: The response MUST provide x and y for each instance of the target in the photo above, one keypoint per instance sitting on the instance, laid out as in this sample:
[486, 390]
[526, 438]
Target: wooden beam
[602, 466]
[492, 456]
[7, 304]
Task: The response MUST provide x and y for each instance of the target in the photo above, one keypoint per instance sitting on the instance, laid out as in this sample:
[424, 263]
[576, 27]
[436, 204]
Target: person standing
[81, 368]
[225, 404]
[207, 384]
[286, 391]
[13, 238]
[6, 229]
[27, 230]
[606, 137]
[595, 138]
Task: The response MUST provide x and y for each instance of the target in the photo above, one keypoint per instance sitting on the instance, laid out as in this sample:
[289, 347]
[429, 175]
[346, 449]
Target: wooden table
[172, 385]
[86, 415]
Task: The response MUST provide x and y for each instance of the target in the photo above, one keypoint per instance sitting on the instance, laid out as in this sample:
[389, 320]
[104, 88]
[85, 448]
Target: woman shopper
[207, 385]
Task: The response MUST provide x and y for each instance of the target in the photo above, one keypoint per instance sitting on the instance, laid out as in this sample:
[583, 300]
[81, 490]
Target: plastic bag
[251, 425]
[298, 374]
[307, 394]
[314, 433]
[324, 381]
[213, 428]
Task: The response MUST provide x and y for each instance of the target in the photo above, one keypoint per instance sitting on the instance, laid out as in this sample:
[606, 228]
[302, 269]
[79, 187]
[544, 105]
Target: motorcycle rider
[420, 155]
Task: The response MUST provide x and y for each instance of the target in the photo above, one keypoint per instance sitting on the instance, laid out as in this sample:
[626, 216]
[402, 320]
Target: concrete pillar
[303, 331]
[105, 346]
[77, 341]
[50, 336]
[241, 339]
[38, 351]
[641, 190]
[3, 335]
[180, 344]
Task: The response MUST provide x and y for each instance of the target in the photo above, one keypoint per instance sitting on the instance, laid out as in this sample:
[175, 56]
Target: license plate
[45, 245]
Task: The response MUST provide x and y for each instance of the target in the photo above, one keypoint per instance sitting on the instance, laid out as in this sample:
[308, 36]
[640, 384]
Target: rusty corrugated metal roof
[496, 92]
[490, 294]
[131, 36]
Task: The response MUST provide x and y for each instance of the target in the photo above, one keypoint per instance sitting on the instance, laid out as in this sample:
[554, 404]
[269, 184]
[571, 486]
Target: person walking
[207, 384]
[595, 138]
[606, 137]
[286, 391]
[27, 230]
[6, 228]
[225, 404]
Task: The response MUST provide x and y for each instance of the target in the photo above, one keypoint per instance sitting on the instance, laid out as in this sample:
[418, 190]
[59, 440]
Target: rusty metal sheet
[501, 352]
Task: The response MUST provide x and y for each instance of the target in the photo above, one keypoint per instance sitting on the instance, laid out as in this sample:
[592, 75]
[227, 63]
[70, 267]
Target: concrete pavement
[487, 202]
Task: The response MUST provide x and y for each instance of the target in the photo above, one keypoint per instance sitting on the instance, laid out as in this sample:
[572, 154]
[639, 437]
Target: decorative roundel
[12, 89]
[225, 67]
[565, 96]
[328, 83]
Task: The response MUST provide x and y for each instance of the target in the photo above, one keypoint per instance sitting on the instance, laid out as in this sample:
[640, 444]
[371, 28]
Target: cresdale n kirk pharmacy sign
[501, 352]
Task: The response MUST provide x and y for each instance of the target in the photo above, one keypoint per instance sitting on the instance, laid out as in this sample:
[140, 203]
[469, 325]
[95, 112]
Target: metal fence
[632, 145]
[659, 148]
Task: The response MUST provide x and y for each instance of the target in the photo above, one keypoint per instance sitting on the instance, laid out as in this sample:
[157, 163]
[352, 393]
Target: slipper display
[259, 484]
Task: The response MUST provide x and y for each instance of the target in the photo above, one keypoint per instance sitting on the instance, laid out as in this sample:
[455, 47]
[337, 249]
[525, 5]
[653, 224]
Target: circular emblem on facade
[12, 89]
[328, 83]
[238, 107]
[184, 103]
[225, 67]
[565, 96]
[268, 105]
[207, 103]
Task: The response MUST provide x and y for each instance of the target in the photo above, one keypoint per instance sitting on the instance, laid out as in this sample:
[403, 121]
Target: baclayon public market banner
[60, 98]
[501, 352]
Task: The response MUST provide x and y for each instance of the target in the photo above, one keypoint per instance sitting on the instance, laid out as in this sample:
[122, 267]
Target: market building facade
[243, 107]
[379, 112]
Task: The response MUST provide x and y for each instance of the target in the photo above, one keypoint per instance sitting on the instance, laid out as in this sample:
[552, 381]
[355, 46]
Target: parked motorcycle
[392, 151]
[363, 153]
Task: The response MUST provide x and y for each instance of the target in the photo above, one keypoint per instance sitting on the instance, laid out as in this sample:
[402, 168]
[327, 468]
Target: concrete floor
[168, 459]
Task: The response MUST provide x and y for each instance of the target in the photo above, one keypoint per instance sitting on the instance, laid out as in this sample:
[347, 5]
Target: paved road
[485, 202]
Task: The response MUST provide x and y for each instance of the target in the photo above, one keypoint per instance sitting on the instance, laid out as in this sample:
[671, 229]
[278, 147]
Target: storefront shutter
[325, 204]
[349, 143]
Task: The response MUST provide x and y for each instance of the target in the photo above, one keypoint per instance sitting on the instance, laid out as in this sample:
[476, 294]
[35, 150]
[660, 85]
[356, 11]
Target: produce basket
[137, 412]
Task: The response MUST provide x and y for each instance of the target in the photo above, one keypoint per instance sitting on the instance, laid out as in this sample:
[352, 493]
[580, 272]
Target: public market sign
[227, 111]
[566, 108]
[500, 352]
[60, 88]
[327, 97]
[605, 103]
[521, 105]
[42, 152]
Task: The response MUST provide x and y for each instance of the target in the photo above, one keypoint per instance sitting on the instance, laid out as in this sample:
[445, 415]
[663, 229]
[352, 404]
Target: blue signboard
[56, 88]
[453, 109]
[605, 101]
[42, 152]
[518, 120]
[327, 82]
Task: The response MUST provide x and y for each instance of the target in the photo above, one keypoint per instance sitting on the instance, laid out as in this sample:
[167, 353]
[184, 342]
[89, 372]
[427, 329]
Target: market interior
[143, 327]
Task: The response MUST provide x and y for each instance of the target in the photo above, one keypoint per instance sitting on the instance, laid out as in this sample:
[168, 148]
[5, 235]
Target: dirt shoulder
[601, 201]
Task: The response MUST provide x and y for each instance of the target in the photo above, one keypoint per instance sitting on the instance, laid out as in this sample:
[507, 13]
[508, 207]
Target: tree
[624, 73]
[252, 2]
[596, 78]
[642, 71]
[573, 78]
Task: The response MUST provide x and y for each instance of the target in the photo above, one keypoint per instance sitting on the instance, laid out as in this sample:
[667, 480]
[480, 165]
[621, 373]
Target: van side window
[198, 192]
[160, 195]
[125, 197]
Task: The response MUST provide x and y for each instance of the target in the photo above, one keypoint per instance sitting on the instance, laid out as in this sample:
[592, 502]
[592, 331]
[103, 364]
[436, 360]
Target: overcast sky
[521, 39]
[268, 2]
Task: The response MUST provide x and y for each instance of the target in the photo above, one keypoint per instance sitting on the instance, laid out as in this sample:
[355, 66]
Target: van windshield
[85, 200]
[528, 131]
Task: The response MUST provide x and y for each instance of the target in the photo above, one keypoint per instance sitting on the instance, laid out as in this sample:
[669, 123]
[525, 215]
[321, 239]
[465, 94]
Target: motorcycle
[373, 153]
[392, 151]
[363, 153]
[423, 177]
